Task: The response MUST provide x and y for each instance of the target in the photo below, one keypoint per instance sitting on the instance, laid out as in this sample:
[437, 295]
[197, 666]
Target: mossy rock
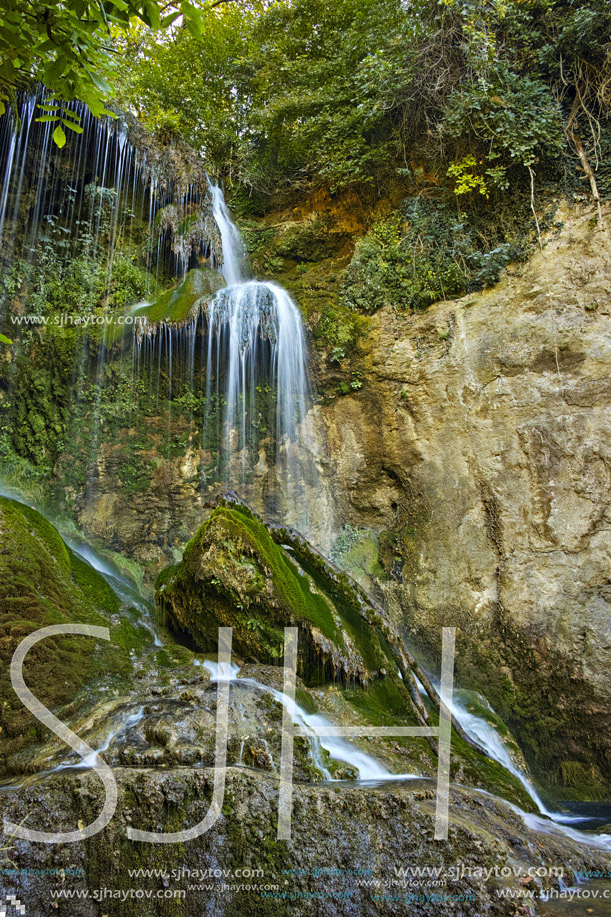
[235, 574]
[178, 304]
[42, 582]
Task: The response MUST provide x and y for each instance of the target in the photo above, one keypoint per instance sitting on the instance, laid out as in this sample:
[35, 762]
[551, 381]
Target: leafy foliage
[423, 253]
[194, 85]
[67, 46]
[285, 95]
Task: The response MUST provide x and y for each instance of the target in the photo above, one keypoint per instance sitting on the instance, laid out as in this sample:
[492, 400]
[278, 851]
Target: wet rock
[235, 573]
[42, 583]
[353, 828]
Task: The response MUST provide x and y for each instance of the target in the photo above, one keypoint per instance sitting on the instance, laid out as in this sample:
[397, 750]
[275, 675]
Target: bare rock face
[479, 450]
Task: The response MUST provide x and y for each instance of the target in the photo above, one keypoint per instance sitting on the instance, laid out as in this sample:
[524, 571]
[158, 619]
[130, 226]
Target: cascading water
[484, 733]
[120, 585]
[66, 215]
[256, 334]
[234, 262]
[90, 193]
[338, 748]
[487, 737]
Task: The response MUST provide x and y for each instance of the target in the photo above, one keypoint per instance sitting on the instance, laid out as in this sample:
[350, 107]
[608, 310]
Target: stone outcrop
[477, 452]
[237, 572]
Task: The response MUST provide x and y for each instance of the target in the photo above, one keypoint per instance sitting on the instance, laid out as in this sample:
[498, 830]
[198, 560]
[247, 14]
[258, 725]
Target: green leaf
[72, 126]
[59, 137]
[101, 82]
[55, 69]
[153, 14]
[97, 107]
[169, 19]
[67, 113]
[4, 339]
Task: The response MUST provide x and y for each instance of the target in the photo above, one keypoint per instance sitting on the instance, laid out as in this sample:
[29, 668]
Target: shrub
[423, 253]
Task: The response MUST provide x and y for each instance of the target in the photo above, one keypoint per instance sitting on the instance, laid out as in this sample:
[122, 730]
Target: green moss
[383, 703]
[166, 575]
[293, 590]
[173, 656]
[366, 638]
[43, 582]
[236, 572]
[176, 305]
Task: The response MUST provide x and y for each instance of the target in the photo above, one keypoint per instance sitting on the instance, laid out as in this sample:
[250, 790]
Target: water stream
[255, 333]
[120, 584]
[484, 733]
[337, 747]
[371, 771]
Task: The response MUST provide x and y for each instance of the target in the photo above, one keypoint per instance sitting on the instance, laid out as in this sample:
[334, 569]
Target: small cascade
[120, 585]
[221, 671]
[257, 358]
[488, 738]
[338, 748]
[74, 762]
[234, 264]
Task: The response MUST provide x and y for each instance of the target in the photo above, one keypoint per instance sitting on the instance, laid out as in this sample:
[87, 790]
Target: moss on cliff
[42, 582]
[177, 305]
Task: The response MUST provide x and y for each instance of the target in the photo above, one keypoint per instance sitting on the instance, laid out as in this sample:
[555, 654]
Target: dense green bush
[423, 253]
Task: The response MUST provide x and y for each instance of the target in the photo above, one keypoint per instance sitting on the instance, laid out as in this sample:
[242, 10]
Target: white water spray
[257, 355]
[488, 738]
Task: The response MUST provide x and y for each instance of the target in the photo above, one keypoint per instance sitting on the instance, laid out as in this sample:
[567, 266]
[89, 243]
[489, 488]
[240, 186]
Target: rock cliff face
[478, 452]
[466, 449]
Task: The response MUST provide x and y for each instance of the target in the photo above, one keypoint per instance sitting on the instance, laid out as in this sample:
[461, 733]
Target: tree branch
[583, 157]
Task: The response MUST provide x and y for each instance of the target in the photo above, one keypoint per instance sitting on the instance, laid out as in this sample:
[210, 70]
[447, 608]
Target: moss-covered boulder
[43, 582]
[182, 301]
[235, 574]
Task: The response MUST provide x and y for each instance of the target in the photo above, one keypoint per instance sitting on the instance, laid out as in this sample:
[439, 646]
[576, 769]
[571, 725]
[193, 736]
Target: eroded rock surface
[477, 451]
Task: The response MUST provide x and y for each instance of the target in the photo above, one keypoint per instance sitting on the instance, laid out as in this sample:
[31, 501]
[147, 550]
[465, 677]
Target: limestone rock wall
[479, 447]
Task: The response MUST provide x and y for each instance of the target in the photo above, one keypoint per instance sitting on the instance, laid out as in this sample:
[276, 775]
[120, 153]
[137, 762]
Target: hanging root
[575, 139]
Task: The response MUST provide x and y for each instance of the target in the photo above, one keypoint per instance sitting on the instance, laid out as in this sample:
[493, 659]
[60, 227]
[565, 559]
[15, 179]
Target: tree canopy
[70, 48]
[287, 94]
[300, 92]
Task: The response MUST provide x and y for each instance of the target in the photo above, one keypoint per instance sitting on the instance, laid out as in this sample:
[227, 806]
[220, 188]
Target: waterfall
[226, 382]
[257, 357]
[232, 371]
[92, 193]
[234, 266]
